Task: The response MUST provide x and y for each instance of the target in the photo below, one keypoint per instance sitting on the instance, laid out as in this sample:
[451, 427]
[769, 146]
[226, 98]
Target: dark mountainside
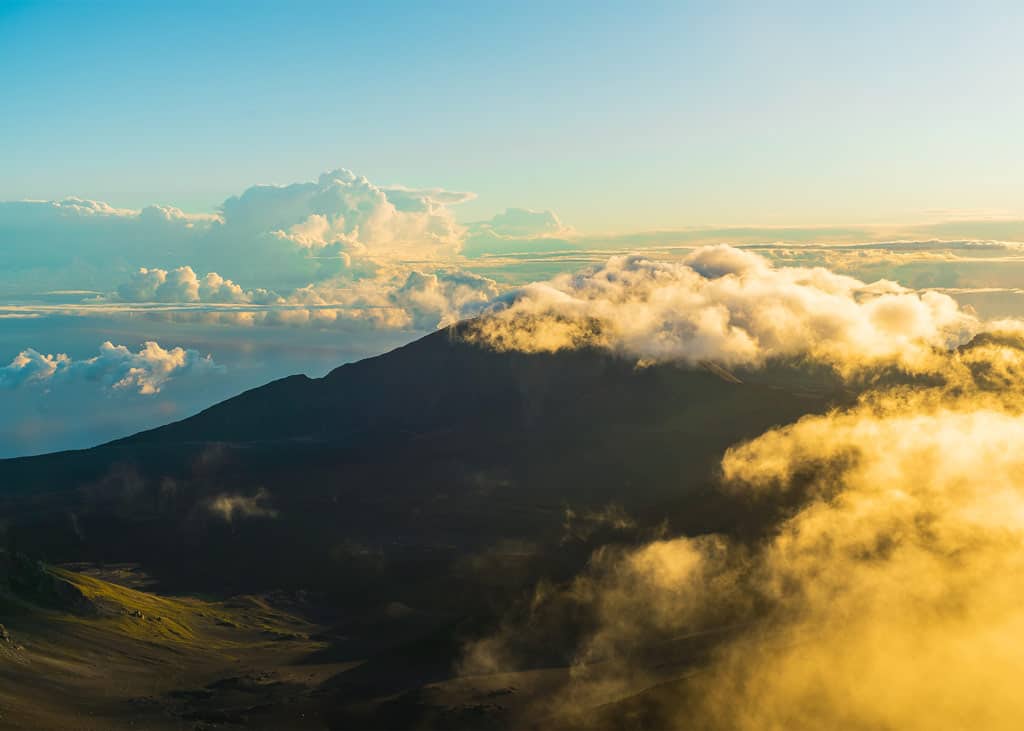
[433, 450]
[406, 501]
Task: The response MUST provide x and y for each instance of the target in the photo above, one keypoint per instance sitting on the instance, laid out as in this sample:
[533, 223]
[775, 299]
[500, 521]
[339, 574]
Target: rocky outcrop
[31, 581]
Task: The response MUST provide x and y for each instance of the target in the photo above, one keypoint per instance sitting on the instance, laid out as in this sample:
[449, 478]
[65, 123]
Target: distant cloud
[409, 300]
[395, 298]
[183, 285]
[116, 367]
[517, 230]
[283, 237]
[273, 236]
[438, 299]
[347, 215]
[523, 223]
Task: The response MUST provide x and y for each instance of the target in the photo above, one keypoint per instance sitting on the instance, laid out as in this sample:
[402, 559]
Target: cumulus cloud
[723, 304]
[732, 307]
[411, 300]
[395, 298]
[59, 233]
[439, 299]
[340, 252]
[883, 595]
[285, 236]
[184, 285]
[115, 367]
[346, 214]
[271, 236]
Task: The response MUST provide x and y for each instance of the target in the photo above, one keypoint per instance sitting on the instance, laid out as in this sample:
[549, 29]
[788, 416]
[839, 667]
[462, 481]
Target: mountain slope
[405, 504]
[78, 651]
[424, 454]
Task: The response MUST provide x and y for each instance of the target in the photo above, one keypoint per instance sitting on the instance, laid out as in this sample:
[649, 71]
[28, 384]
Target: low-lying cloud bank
[396, 299]
[885, 595]
[344, 251]
[279, 237]
[116, 367]
[719, 303]
[733, 307]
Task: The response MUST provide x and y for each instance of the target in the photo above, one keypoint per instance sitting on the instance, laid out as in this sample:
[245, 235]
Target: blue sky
[196, 198]
[618, 116]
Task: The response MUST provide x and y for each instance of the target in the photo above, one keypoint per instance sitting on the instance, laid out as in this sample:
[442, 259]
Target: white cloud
[272, 236]
[184, 285]
[282, 237]
[346, 214]
[401, 299]
[443, 298]
[395, 298]
[115, 367]
[729, 306]
[31, 366]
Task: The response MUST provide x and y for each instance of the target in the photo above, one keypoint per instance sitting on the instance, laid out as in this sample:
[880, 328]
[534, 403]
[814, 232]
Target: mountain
[423, 454]
[399, 505]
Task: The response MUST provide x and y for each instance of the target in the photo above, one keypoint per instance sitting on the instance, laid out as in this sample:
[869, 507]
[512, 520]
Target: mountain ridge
[439, 448]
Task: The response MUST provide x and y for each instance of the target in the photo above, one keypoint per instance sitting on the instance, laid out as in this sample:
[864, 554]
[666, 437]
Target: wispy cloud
[896, 546]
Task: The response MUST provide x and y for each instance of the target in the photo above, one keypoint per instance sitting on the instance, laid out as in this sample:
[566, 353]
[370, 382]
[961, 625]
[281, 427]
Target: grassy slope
[136, 660]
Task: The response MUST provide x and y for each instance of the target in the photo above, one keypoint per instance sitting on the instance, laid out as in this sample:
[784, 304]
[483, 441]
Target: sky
[620, 116]
[198, 198]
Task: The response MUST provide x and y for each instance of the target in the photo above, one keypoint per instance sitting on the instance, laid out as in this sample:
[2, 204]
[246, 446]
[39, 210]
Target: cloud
[736, 306]
[443, 298]
[729, 306]
[396, 298]
[273, 236]
[582, 525]
[409, 300]
[519, 230]
[905, 557]
[522, 223]
[346, 214]
[184, 285]
[230, 506]
[882, 594]
[285, 236]
[116, 367]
